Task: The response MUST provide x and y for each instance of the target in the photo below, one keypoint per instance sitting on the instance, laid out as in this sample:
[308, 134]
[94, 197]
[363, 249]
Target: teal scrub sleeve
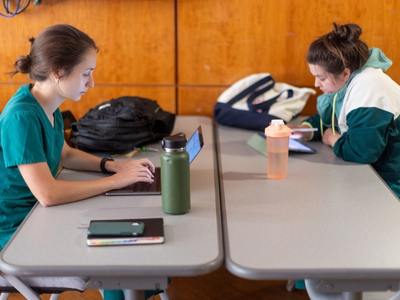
[367, 136]
[22, 140]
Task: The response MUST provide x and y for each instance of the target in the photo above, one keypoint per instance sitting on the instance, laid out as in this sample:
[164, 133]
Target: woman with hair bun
[358, 112]
[32, 147]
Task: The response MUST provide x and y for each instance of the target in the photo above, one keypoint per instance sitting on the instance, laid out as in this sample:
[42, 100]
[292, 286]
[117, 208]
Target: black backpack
[119, 125]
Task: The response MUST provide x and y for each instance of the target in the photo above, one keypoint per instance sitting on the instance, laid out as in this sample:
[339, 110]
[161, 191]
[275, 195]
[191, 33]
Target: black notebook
[126, 232]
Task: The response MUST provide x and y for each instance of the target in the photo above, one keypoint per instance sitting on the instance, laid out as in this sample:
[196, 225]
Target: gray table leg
[3, 296]
[352, 295]
[315, 294]
[54, 296]
[133, 294]
[163, 296]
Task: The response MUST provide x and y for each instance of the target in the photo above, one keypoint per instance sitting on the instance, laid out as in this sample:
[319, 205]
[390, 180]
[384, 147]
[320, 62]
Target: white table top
[52, 241]
[328, 219]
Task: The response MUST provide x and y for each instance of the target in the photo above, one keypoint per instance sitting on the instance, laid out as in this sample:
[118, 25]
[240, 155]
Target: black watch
[103, 165]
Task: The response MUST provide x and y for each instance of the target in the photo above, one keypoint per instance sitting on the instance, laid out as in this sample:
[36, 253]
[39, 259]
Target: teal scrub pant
[300, 285]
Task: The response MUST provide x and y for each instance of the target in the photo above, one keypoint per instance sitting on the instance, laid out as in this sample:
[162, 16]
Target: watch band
[103, 165]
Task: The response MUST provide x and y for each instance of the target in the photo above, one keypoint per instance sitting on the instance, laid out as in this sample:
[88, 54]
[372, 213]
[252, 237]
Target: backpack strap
[250, 89]
[265, 105]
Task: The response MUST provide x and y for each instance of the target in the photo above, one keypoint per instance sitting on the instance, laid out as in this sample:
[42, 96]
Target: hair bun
[23, 64]
[347, 32]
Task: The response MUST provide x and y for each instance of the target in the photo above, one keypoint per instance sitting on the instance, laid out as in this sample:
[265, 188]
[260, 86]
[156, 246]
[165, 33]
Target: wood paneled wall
[222, 41]
[183, 53]
[136, 41]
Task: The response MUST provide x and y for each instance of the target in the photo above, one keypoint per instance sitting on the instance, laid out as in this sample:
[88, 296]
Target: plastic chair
[32, 287]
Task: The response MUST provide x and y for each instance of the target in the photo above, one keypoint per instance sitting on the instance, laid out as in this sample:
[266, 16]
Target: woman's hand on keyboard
[128, 171]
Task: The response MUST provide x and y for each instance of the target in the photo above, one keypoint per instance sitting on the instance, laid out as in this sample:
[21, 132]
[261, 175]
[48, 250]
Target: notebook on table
[193, 147]
[115, 232]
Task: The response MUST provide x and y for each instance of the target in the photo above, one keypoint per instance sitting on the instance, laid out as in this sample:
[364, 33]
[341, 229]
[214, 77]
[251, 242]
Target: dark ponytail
[339, 49]
[58, 47]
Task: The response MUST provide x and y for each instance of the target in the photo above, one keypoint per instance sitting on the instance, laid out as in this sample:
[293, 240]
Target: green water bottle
[175, 175]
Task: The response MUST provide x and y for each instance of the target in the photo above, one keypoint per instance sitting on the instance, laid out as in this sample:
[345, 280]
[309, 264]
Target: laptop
[193, 147]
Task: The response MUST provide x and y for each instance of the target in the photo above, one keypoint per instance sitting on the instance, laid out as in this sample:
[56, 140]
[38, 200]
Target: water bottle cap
[177, 141]
[277, 128]
[277, 122]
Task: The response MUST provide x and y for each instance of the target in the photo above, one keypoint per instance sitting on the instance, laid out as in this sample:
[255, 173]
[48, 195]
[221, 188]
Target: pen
[137, 150]
[132, 153]
[304, 129]
[148, 149]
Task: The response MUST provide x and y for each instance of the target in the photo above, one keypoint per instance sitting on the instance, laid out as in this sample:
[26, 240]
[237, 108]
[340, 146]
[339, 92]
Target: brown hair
[339, 49]
[58, 47]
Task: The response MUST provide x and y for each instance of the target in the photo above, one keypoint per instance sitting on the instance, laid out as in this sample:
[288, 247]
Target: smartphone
[115, 228]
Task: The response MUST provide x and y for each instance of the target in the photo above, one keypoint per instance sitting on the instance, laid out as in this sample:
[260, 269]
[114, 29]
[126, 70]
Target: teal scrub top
[26, 137]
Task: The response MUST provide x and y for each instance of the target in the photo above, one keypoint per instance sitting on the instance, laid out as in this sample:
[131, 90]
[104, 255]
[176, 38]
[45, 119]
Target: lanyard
[332, 117]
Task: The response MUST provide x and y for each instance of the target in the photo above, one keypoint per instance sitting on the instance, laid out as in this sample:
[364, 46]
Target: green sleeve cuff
[310, 126]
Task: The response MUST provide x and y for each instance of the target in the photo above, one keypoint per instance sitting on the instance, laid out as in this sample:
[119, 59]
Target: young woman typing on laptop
[60, 64]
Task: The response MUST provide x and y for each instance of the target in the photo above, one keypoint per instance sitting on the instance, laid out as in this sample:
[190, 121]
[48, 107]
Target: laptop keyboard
[146, 186]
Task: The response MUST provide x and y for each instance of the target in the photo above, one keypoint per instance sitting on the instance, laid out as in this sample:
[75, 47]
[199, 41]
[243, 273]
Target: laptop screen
[194, 144]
